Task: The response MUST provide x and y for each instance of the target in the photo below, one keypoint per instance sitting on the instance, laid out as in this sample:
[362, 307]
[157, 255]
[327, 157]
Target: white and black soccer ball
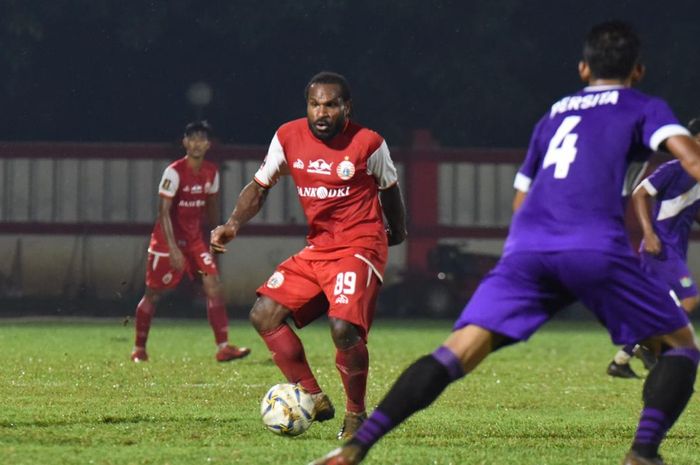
[287, 409]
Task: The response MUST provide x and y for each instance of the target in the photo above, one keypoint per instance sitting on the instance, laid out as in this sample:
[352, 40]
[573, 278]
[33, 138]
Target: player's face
[326, 110]
[196, 144]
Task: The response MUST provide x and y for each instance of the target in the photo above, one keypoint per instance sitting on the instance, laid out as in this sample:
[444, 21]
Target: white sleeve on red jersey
[169, 182]
[382, 167]
[214, 188]
[274, 165]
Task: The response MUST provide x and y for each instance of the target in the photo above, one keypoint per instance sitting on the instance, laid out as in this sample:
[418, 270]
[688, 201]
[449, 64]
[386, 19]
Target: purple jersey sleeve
[662, 178]
[677, 197]
[533, 159]
[659, 123]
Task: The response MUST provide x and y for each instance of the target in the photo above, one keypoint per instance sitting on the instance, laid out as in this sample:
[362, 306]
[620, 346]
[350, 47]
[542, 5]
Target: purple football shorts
[526, 289]
[673, 271]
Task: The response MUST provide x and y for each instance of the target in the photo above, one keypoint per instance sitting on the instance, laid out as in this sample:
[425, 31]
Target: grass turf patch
[70, 395]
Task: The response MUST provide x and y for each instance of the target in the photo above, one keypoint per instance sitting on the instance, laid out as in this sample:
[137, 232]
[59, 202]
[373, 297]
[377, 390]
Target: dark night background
[475, 73]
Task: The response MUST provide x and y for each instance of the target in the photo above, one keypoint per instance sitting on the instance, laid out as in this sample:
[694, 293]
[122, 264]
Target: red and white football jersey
[189, 191]
[337, 184]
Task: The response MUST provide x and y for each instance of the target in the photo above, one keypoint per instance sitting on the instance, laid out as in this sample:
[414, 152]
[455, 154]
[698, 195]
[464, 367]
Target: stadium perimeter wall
[75, 218]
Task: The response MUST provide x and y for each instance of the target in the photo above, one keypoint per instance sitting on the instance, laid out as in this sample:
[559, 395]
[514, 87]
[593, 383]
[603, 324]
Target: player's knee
[690, 303]
[213, 290]
[212, 286]
[679, 339]
[152, 296]
[267, 314]
[344, 333]
[259, 314]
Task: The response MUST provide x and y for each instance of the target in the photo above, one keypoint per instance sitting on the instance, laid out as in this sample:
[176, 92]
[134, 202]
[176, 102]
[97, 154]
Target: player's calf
[667, 390]
[417, 387]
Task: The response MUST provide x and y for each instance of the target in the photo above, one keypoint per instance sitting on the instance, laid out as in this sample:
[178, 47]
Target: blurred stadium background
[95, 95]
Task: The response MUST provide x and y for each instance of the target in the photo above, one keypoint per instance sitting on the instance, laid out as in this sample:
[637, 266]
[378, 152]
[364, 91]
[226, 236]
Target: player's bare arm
[213, 210]
[642, 208]
[250, 201]
[687, 151]
[395, 213]
[518, 199]
[177, 260]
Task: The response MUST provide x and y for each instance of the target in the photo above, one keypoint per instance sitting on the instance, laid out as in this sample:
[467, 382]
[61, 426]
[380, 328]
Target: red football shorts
[161, 275]
[345, 288]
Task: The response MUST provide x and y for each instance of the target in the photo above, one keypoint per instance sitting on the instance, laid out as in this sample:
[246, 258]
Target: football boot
[621, 370]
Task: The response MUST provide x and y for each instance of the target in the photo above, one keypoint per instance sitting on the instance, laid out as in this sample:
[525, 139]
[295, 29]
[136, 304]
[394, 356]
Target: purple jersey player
[663, 251]
[567, 242]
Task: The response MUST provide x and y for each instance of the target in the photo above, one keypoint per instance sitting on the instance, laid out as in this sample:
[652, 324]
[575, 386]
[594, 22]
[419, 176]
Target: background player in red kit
[341, 171]
[188, 189]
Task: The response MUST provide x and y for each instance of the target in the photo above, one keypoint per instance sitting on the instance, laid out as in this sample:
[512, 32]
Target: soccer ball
[287, 409]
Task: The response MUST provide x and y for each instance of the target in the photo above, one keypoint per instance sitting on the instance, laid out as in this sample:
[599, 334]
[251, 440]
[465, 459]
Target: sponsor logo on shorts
[342, 299]
[298, 164]
[345, 170]
[686, 281]
[167, 277]
[275, 281]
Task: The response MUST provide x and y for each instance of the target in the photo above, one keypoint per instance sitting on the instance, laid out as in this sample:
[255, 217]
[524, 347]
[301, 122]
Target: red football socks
[353, 365]
[144, 314]
[218, 319]
[288, 353]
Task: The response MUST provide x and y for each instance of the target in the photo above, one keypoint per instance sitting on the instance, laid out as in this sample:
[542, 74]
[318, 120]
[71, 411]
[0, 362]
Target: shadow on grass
[114, 419]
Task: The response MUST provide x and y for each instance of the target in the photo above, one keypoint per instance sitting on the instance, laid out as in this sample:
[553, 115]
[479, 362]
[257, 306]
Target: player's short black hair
[694, 126]
[198, 126]
[611, 50]
[329, 77]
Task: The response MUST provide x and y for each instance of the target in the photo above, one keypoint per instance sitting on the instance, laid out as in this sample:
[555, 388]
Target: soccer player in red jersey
[188, 189]
[345, 181]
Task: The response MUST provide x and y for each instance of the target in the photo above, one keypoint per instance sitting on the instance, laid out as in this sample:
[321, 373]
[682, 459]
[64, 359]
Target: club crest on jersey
[275, 281]
[686, 281]
[207, 186]
[345, 170]
[167, 277]
[298, 164]
[319, 166]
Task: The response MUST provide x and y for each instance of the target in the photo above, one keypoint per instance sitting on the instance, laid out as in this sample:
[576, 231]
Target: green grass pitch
[70, 395]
